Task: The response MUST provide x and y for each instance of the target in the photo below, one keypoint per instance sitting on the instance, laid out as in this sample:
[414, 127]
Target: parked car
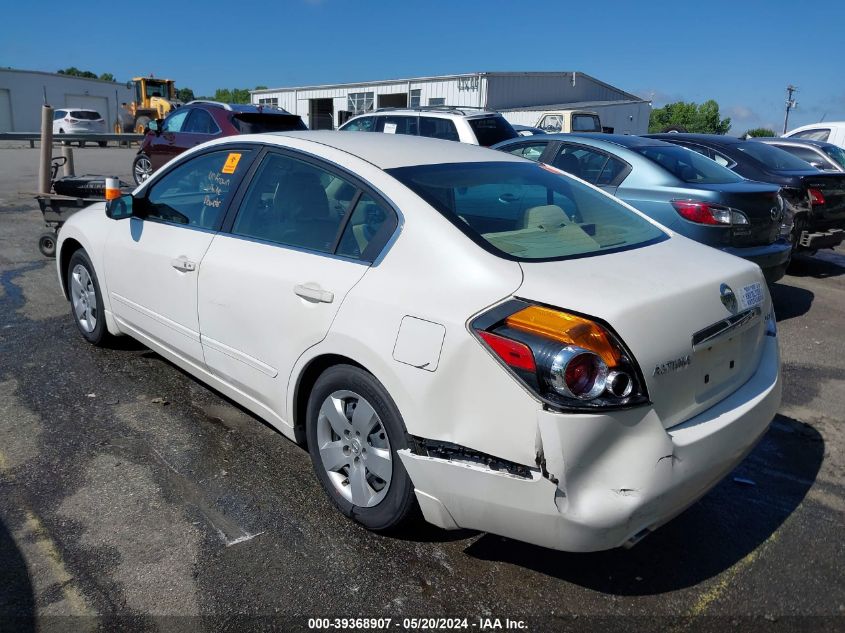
[78, 121]
[476, 126]
[830, 132]
[677, 187]
[527, 130]
[507, 346]
[821, 155]
[815, 200]
[200, 121]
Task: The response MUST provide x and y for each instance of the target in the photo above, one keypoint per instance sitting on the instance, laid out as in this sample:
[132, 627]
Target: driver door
[152, 260]
[165, 145]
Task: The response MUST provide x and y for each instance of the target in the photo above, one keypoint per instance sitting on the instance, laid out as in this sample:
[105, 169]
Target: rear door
[152, 262]
[274, 278]
[198, 128]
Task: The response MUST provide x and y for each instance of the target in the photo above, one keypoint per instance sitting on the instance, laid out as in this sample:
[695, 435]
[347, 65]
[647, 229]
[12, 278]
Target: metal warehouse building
[22, 95]
[520, 96]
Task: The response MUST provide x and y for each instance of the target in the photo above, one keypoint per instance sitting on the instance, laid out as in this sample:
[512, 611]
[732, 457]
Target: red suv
[200, 121]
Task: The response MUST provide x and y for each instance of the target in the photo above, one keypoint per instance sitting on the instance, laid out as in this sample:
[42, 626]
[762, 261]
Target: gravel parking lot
[131, 494]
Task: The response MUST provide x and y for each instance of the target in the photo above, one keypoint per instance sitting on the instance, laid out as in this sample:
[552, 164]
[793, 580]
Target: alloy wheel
[84, 298]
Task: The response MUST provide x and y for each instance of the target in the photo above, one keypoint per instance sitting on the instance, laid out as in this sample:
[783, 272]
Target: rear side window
[491, 130]
[197, 192]
[200, 122]
[58, 114]
[585, 123]
[772, 157]
[531, 151]
[262, 122]
[688, 165]
[528, 212]
[813, 135]
[804, 153]
[397, 125]
[85, 115]
[438, 128]
[836, 153]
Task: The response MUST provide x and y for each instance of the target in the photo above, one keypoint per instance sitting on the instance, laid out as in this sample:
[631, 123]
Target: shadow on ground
[732, 521]
[17, 602]
[823, 264]
[790, 301]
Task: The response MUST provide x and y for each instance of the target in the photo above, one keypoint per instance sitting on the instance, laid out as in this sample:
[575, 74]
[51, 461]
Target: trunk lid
[759, 203]
[832, 187]
[657, 298]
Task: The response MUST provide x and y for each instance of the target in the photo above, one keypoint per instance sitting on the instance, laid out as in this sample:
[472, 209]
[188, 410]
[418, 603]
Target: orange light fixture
[566, 328]
[112, 188]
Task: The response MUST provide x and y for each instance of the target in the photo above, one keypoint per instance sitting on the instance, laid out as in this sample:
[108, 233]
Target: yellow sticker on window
[231, 163]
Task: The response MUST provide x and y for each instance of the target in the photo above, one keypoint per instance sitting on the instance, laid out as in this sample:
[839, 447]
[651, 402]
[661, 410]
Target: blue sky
[742, 53]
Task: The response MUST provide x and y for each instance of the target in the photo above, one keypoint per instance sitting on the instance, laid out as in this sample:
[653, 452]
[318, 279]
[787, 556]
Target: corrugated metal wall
[519, 90]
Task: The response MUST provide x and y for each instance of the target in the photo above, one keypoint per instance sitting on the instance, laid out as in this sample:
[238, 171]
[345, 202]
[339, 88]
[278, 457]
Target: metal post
[67, 168]
[46, 149]
[790, 104]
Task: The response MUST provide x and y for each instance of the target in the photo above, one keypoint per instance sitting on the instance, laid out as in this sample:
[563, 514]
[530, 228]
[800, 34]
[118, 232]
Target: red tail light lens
[816, 197]
[707, 213]
[572, 362]
[515, 354]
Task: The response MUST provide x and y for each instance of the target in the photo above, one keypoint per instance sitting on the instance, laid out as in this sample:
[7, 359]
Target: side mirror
[154, 126]
[120, 208]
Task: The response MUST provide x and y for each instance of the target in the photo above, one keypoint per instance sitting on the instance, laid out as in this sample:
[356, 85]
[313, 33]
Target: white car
[78, 121]
[829, 131]
[476, 126]
[511, 348]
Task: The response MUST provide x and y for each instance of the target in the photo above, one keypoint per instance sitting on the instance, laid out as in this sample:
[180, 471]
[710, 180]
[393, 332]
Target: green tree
[107, 77]
[185, 95]
[75, 72]
[234, 95]
[760, 131]
[693, 117]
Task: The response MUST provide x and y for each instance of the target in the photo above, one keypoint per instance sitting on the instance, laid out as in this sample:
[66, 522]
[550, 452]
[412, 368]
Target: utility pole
[791, 104]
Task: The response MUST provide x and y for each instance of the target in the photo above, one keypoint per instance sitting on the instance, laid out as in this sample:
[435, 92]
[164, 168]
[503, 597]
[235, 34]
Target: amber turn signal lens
[566, 328]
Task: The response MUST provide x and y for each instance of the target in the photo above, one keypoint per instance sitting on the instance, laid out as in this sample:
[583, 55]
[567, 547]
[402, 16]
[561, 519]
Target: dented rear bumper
[607, 479]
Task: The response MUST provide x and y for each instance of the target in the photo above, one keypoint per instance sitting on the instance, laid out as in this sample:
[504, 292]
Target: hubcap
[83, 298]
[354, 448]
[143, 169]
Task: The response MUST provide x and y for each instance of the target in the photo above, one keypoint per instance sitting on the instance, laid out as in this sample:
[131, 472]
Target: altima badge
[728, 298]
[672, 365]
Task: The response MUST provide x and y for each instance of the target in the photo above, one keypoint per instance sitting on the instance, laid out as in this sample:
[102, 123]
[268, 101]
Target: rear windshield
[85, 114]
[528, 211]
[585, 123]
[688, 165]
[773, 157]
[491, 130]
[836, 153]
[259, 123]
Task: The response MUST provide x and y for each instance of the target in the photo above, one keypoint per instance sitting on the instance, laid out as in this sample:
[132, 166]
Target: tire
[47, 244]
[102, 143]
[142, 168]
[61, 132]
[87, 311]
[141, 124]
[361, 484]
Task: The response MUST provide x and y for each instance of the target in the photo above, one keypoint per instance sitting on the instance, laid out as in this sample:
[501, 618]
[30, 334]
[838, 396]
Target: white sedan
[504, 345]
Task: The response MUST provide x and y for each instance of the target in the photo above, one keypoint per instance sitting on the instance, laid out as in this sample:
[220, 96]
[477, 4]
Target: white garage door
[5, 110]
[100, 104]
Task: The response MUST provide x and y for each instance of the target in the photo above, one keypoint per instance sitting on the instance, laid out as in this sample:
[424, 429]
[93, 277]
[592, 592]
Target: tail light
[708, 213]
[572, 362]
[816, 197]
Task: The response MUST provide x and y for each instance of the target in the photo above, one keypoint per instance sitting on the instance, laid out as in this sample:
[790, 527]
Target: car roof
[245, 108]
[78, 109]
[387, 151]
[718, 139]
[820, 124]
[622, 140]
[444, 112]
[792, 141]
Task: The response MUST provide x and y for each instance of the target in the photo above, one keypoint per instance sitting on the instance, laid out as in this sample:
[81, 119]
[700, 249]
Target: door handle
[313, 292]
[183, 265]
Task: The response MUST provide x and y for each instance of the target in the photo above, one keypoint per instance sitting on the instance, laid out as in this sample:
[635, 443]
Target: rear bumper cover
[814, 240]
[611, 477]
[772, 258]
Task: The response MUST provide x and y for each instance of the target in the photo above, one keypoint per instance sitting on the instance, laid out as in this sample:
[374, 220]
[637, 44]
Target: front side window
[551, 123]
[531, 151]
[528, 211]
[772, 157]
[362, 124]
[175, 121]
[197, 192]
[688, 165]
[360, 102]
[813, 135]
[200, 122]
[438, 128]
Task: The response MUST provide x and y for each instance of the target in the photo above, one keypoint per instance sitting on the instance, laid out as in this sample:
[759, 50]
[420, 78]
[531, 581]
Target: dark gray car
[821, 155]
[679, 188]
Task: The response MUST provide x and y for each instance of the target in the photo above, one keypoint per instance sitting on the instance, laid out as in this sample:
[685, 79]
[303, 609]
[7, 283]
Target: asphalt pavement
[133, 496]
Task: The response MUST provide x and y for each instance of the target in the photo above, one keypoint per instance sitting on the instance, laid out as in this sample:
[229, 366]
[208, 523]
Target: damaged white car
[444, 325]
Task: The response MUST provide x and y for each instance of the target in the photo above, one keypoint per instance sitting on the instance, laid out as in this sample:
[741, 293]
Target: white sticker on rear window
[390, 128]
[751, 295]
